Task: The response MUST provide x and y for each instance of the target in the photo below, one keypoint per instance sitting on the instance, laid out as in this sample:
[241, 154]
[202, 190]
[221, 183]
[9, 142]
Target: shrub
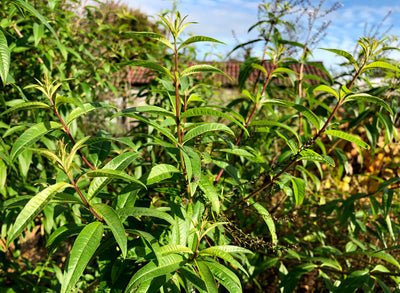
[247, 196]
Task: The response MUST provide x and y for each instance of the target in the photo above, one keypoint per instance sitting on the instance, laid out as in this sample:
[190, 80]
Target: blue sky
[218, 18]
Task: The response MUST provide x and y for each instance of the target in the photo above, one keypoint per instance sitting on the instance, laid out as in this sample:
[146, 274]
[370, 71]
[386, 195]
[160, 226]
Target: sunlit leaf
[202, 68]
[348, 137]
[31, 135]
[34, 206]
[112, 219]
[204, 128]
[4, 58]
[84, 247]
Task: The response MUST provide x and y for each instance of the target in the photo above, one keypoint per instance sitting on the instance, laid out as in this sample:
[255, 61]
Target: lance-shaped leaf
[289, 281]
[139, 211]
[67, 100]
[210, 193]
[34, 206]
[154, 36]
[169, 264]
[148, 109]
[299, 190]
[31, 135]
[277, 124]
[306, 112]
[84, 247]
[89, 107]
[284, 70]
[223, 252]
[311, 155]
[345, 54]
[196, 39]
[204, 128]
[163, 130]
[118, 163]
[203, 68]
[369, 98]
[25, 5]
[207, 276]
[4, 58]
[62, 234]
[112, 219]
[325, 88]
[160, 172]
[150, 65]
[193, 112]
[113, 174]
[267, 219]
[348, 137]
[225, 276]
[175, 248]
[26, 106]
[379, 64]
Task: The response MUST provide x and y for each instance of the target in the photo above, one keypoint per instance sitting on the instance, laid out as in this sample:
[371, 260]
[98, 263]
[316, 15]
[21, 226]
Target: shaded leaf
[150, 65]
[210, 192]
[207, 277]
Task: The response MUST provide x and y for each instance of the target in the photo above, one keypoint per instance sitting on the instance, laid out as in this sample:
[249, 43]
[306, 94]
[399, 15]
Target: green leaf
[196, 39]
[112, 219]
[311, 155]
[175, 248]
[118, 163]
[34, 206]
[207, 276]
[379, 64]
[346, 55]
[26, 106]
[150, 65]
[277, 124]
[347, 137]
[169, 264]
[369, 98]
[31, 135]
[210, 192]
[225, 276]
[193, 112]
[353, 281]
[62, 234]
[138, 211]
[84, 247]
[34, 12]
[160, 172]
[223, 252]
[149, 109]
[284, 70]
[289, 281]
[306, 112]
[66, 100]
[86, 109]
[267, 218]
[327, 89]
[203, 68]
[154, 36]
[4, 58]
[299, 190]
[113, 174]
[204, 128]
[161, 129]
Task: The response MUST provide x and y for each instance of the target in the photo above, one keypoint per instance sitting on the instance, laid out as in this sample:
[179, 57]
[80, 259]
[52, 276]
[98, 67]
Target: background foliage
[286, 187]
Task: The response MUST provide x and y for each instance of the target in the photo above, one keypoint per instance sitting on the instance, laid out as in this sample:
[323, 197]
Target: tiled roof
[138, 76]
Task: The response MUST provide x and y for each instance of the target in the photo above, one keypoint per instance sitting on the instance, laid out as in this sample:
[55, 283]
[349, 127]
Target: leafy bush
[277, 190]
